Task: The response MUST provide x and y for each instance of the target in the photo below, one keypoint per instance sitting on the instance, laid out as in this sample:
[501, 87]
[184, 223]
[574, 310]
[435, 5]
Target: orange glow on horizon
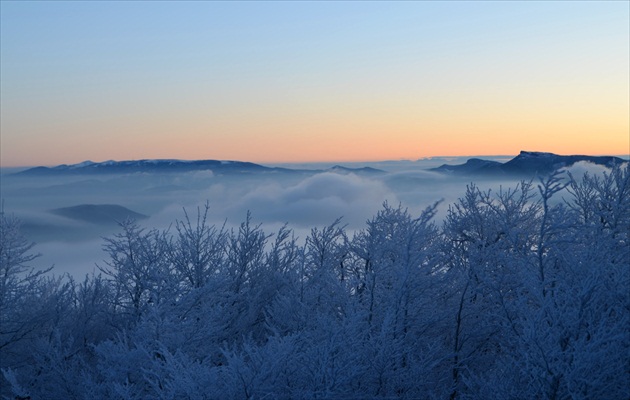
[395, 85]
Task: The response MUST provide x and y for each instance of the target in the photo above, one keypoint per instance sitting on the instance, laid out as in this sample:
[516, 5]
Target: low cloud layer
[580, 168]
[316, 200]
[303, 201]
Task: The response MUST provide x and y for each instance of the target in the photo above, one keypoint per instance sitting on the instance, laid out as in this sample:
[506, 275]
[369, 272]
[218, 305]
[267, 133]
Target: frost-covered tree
[33, 306]
[22, 292]
[575, 336]
[520, 293]
[565, 326]
[488, 239]
[197, 252]
[138, 269]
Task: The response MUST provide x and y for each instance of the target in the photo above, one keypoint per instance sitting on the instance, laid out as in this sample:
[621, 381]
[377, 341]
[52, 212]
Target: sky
[277, 82]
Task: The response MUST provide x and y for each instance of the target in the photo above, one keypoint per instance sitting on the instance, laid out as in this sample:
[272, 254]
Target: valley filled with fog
[166, 232]
[314, 195]
[387, 280]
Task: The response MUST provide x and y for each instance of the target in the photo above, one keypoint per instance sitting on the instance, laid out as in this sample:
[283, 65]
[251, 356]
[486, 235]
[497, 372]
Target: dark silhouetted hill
[359, 171]
[100, 214]
[526, 164]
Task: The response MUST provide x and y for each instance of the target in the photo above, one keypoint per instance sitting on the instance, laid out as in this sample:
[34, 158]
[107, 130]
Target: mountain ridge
[220, 167]
[147, 166]
[526, 164]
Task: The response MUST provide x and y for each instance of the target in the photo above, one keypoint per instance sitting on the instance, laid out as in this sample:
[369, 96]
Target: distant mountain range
[147, 166]
[526, 164]
[175, 166]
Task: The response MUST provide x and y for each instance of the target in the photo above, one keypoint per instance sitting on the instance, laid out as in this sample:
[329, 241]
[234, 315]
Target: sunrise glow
[311, 81]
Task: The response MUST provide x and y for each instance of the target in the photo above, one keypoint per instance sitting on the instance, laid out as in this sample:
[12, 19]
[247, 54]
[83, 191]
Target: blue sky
[311, 81]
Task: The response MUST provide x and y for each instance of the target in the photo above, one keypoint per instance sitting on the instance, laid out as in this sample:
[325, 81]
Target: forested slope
[518, 294]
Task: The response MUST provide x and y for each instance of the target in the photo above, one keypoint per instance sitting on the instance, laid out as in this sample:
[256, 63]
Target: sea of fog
[302, 200]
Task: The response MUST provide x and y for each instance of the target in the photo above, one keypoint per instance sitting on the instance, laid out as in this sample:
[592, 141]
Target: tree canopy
[521, 293]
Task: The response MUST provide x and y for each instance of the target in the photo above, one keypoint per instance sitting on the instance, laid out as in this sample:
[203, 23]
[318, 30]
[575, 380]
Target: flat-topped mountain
[526, 164]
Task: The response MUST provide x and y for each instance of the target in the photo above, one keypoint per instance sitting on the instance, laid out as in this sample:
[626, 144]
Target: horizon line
[425, 158]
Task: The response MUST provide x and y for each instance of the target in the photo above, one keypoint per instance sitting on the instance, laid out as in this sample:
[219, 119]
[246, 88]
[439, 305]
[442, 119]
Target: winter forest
[517, 293]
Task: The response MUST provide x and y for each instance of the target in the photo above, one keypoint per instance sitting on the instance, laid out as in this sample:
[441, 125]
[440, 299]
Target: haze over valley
[314, 200]
[68, 209]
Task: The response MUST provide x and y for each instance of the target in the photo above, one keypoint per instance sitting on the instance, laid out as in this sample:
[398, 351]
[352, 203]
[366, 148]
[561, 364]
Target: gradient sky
[311, 81]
